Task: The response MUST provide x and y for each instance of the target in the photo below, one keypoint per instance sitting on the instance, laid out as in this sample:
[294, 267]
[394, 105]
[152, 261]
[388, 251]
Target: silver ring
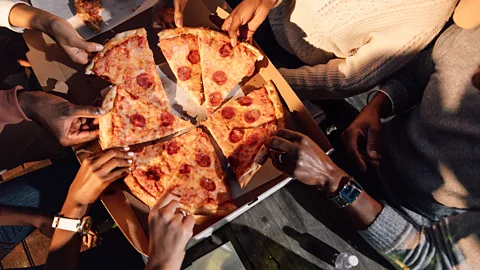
[280, 158]
[180, 211]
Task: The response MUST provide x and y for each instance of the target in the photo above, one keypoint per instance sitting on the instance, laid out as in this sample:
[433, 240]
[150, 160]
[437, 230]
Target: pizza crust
[117, 39]
[138, 191]
[277, 104]
[105, 122]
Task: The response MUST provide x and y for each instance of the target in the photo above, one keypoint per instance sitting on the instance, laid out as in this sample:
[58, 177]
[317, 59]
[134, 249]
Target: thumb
[179, 6]
[372, 138]
[81, 44]
[85, 111]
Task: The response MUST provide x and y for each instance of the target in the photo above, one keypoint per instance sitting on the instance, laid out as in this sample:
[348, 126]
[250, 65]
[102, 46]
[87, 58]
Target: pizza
[129, 120]
[180, 48]
[241, 126]
[206, 65]
[127, 60]
[192, 173]
[90, 12]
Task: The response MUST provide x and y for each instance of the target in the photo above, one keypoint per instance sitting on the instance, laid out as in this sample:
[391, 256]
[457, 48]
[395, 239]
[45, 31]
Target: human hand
[249, 13]
[367, 126]
[70, 41]
[90, 239]
[170, 232]
[68, 122]
[168, 17]
[298, 156]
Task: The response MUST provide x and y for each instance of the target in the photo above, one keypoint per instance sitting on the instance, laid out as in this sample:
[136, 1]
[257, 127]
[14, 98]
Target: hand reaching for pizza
[297, 155]
[170, 232]
[168, 17]
[70, 123]
[246, 18]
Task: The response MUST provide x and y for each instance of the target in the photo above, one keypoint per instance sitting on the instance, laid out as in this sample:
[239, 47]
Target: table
[292, 229]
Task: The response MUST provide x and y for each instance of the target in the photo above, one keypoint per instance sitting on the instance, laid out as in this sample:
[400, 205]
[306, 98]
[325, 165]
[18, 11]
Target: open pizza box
[56, 72]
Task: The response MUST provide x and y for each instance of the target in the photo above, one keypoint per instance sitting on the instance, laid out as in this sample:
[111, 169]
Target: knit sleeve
[5, 7]
[10, 111]
[383, 55]
[450, 243]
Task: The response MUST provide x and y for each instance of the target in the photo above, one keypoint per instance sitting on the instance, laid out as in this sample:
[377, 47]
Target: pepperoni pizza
[192, 173]
[241, 126]
[206, 65]
[90, 12]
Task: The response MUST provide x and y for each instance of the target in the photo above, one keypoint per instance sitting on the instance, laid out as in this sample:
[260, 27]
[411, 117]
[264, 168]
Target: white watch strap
[66, 224]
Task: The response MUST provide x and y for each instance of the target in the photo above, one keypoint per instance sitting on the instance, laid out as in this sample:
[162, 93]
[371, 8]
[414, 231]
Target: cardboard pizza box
[56, 72]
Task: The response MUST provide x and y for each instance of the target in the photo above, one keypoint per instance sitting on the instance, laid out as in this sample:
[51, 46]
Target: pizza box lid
[56, 72]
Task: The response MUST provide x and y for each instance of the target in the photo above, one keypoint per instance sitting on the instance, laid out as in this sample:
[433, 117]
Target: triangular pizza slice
[127, 60]
[180, 48]
[223, 66]
[154, 166]
[130, 120]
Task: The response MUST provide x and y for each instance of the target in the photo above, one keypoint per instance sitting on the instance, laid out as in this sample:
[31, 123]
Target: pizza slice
[129, 120]
[223, 66]
[180, 48]
[258, 107]
[200, 182]
[90, 12]
[154, 166]
[127, 60]
[243, 147]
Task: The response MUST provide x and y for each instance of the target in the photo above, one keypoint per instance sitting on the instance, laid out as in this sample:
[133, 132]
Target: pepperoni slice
[184, 73]
[203, 160]
[194, 57]
[166, 119]
[226, 50]
[245, 101]
[153, 173]
[252, 140]
[251, 116]
[145, 80]
[138, 120]
[215, 98]
[172, 147]
[219, 77]
[184, 169]
[236, 135]
[228, 112]
[207, 184]
[233, 161]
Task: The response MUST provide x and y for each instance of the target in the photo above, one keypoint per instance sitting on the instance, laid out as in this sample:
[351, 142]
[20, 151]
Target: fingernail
[99, 47]
[130, 161]
[100, 111]
[130, 154]
[126, 148]
[179, 23]
[233, 41]
[130, 168]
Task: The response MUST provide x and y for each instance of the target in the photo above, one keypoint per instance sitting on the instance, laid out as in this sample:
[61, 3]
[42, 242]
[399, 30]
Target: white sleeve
[5, 7]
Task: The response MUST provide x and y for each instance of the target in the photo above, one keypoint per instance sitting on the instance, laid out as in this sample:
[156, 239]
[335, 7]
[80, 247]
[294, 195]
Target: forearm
[19, 216]
[381, 105]
[65, 247]
[362, 212]
[25, 16]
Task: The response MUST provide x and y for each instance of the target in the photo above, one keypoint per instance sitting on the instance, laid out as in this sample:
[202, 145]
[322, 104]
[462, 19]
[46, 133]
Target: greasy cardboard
[53, 68]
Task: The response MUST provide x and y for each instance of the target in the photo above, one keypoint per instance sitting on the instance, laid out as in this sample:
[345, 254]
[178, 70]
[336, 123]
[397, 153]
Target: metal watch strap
[348, 193]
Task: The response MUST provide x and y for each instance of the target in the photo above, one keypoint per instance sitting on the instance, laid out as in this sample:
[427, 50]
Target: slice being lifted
[180, 48]
[90, 12]
[129, 120]
[241, 126]
[193, 174]
[127, 60]
[223, 67]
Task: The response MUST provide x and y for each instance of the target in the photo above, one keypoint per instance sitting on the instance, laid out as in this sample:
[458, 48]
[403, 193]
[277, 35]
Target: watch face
[85, 225]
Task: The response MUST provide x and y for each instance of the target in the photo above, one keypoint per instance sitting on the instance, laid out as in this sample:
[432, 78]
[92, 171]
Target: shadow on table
[318, 206]
[255, 250]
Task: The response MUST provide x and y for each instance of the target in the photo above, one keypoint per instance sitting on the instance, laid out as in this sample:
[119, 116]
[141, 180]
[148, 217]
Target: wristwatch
[348, 193]
[80, 226]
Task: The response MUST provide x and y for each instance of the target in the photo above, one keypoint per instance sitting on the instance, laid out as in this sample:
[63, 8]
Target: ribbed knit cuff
[388, 231]
[398, 95]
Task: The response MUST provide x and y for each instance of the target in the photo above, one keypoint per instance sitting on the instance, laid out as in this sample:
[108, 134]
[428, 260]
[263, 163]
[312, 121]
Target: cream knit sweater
[349, 46]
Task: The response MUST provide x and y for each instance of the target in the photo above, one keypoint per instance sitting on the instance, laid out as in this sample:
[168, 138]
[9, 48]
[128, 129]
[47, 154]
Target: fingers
[164, 200]
[372, 138]
[179, 6]
[278, 143]
[103, 158]
[117, 175]
[85, 111]
[233, 29]
[290, 135]
[83, 136]
[169, 210]
[189, 222]
[350, 139]
[113, 164]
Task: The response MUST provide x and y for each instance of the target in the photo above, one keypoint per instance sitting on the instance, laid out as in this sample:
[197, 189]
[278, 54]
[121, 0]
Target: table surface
[295, 228]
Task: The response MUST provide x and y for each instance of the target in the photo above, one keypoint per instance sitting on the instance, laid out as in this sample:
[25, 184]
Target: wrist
[333, 184]
[26, 100]
[72, 209]
[380, 105]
